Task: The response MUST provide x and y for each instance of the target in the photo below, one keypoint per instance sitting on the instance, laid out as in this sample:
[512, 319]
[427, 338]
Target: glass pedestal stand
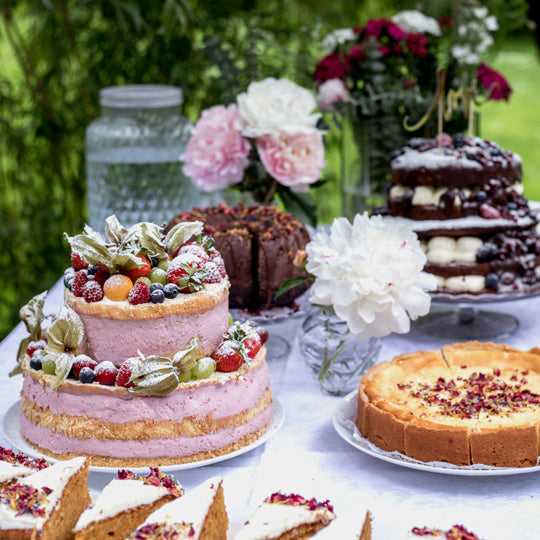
[465, 323]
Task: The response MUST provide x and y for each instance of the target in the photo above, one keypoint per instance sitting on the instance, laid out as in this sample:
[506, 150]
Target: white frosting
[465, 283]
[192, 507]
[342, 529]
[9, 471]
[118, 496]
[54, 477]
[425, 195]
[432, 159]
[445, 249]
[272, 520]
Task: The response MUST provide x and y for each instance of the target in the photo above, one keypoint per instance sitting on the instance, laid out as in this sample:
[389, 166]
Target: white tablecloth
[306, 456]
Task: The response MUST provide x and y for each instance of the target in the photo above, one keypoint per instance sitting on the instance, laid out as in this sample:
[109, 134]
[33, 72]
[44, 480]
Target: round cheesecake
[468, 403]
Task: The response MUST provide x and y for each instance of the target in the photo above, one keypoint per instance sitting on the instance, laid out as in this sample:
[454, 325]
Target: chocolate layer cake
[258, 245]
[464, 199]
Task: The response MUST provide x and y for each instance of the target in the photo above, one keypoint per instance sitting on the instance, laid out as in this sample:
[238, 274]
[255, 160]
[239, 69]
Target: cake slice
[286, 517]
[125, 503]
[200, 514]
[13, 465]
[456, 532]
[347, 529]
[46, 504]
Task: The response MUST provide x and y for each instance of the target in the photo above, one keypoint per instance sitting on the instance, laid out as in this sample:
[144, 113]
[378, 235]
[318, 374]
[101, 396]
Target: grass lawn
[516, 125]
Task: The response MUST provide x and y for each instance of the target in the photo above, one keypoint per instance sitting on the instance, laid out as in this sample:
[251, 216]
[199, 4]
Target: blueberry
[154, 261]
[87, 375]
[35, 361]
[156, 286]
[92, 269]
[487, 252]
[68, 277]
[492, 281]
[511, 206]
[171, 290]
[495, 151]
[459, 140]
[157, 296]
[481, 196]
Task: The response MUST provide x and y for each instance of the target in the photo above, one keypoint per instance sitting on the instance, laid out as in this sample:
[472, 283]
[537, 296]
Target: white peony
[275, 106]
[412, 20]
[370, 272]
[337, 37]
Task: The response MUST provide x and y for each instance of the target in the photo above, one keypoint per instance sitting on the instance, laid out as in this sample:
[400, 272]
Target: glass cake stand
[466, 321]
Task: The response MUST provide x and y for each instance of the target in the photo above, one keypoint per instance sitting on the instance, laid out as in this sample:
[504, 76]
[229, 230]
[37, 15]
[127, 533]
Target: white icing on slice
[344, 529]
[118, 496]
[465, 283]
[9, 471]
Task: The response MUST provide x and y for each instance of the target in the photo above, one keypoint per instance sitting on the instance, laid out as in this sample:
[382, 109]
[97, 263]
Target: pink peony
[497, 86]
[216, 155]
[331, 92]
[294, 160]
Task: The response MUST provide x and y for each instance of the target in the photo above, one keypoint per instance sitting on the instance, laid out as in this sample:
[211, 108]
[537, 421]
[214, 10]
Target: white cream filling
[446, 249]
[465, 283]
[426, 195]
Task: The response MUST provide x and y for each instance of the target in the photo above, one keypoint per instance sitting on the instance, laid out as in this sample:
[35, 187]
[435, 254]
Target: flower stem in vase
[327, 362]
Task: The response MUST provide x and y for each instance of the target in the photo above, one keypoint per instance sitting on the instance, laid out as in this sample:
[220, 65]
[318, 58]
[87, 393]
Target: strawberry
[263, 334]
[139, 294]
[137, 272]
[195, 249]
[79, 281]
[227, 357]
[106, 373]
[214, 275]
[125, 371]
[82, 360]
[34, 346]
[77, 262]
[252, 345]
[186, 271]
[92, 291]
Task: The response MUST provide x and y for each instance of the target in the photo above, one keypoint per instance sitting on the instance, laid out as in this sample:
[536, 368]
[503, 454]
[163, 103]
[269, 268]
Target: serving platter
[343, 420]
[12, 430]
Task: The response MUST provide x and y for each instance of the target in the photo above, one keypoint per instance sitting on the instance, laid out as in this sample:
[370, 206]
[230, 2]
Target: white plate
[12, 430]
[344, 423]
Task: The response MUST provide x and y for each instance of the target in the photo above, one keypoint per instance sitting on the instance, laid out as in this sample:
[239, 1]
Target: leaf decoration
[114, 231]
[92, 249]
[181, 233]
[64, 362]
[125, 260]
[154, 375]
[32, 316]
[145, 237]
[98, 237]
[65, 333]
[186, 359]
[289, 284]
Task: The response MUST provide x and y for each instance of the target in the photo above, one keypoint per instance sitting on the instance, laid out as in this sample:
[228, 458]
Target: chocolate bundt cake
[258, 245]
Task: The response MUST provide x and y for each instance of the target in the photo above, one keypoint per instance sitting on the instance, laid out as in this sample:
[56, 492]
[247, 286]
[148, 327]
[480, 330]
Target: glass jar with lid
[132, 151]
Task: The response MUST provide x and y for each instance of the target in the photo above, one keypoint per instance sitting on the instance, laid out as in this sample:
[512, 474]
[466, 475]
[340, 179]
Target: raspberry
[124, 373]
[214, 275]
[34, 346]
[117, 287]
[106, 373]
[227, 357]
[92, 292]
[139, 294]
[137, 272]
[77, 262]
[81, 361]
[101, 276]
[79, 281]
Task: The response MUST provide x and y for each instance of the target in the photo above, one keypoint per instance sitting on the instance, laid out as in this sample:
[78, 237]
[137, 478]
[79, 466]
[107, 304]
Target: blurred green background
[57, 55]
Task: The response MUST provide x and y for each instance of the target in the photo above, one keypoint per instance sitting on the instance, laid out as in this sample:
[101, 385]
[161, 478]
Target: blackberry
[492, 280]
[416, 143]
[495, 151]
[87, 375]
[157, 296]
[171, 290]
[487, 252]
[459, 140]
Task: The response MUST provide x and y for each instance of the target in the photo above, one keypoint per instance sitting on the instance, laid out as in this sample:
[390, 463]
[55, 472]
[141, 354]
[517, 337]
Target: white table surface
[308, 457]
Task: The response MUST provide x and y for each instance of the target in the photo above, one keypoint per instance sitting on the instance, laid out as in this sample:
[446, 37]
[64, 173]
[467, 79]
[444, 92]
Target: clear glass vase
[336, 359]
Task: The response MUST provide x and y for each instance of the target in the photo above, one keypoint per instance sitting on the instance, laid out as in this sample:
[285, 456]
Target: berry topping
[252, 345]
[203, 368]
[158, 275]
[81, 361]
[77, 262]
[106, 373]
[139, 294]
[487, 252]
[125, 371]
[92, 292]
[488, 212]
[35, 361]
[171, 290]
[481, 197]
[157, 296]
[156, 286]
[68, 277]
[117, 287]
[189, 276]
[214, 274]
[263, 334]
[142, 271]
[87, 375]
[227, 356]
[492, 280]
[48, 365]
[79, 281]
[101, 276]
[194, 249]
[34, 346]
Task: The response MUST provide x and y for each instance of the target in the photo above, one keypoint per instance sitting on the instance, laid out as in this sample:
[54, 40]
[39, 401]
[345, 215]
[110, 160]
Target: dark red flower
[384, 50]
[417, 44]
[395, 31]
[445, 21]
[496, 85]
[333, 66]
[374, 28]
[358, 52]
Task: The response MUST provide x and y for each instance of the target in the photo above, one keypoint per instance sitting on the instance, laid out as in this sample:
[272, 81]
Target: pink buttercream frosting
[155, 448]
[229, 395]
